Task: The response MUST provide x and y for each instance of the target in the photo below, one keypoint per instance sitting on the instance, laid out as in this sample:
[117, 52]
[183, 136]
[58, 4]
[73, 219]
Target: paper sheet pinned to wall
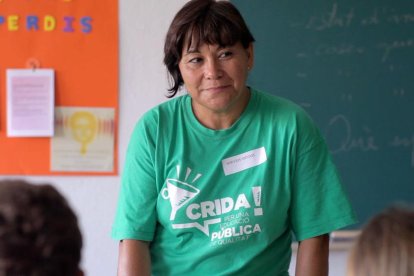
[30, 102]
[84, 140]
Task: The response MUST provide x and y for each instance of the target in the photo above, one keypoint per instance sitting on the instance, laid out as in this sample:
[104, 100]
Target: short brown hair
[202, 21]
[385, 246]
[39, 233]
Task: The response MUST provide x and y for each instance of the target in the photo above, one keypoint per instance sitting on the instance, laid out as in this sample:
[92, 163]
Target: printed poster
[84, 140]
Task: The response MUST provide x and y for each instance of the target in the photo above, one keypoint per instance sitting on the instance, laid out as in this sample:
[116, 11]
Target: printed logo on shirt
[224, 220]
[244, 161]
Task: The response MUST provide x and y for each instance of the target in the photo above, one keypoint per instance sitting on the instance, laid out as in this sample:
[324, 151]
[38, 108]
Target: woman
[385, 246]
[216, 180]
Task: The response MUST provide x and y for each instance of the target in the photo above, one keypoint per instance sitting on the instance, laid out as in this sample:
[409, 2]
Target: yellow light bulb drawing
[84, 126]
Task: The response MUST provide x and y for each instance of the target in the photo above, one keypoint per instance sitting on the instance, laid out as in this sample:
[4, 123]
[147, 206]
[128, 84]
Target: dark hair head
[39, 233]
[199, 22]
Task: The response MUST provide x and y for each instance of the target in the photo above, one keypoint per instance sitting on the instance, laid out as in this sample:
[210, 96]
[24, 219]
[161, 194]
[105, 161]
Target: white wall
[143, 84]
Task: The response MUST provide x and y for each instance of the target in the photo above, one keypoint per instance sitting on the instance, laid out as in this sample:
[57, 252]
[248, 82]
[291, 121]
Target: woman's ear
[250, 56]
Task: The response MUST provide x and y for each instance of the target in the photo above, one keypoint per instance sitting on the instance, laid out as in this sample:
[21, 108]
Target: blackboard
[350, 64]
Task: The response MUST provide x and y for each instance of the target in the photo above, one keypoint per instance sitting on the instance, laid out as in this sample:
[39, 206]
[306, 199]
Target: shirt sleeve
[319, 202]
[136, 211]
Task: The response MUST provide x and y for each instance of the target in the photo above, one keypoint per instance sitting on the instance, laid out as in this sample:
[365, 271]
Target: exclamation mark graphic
[257, 196]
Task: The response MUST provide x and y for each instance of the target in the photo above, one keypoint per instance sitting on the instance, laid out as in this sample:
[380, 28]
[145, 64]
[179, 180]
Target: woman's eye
[225, 54]
[195, 60]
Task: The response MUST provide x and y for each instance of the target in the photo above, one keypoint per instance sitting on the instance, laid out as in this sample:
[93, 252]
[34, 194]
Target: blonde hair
[385, 246]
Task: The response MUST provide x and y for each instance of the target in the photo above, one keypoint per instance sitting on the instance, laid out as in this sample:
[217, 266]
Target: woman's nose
[213, 70]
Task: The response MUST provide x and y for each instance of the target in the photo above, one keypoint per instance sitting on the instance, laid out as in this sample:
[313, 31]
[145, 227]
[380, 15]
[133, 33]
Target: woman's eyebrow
[192, 51]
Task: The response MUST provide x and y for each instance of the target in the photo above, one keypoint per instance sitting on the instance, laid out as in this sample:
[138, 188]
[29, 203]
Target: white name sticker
[244, 161]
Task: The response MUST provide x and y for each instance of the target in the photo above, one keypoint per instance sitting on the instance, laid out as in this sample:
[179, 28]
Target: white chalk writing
[365, 142]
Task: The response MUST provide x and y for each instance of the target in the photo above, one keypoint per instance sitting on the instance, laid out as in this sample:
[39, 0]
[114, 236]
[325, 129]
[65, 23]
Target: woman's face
[215, 77]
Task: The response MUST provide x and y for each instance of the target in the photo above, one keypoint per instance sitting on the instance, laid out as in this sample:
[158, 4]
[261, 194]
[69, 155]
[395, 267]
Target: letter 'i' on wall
[69, 37]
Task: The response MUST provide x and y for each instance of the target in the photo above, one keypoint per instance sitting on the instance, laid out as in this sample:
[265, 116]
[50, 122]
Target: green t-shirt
[225, 202]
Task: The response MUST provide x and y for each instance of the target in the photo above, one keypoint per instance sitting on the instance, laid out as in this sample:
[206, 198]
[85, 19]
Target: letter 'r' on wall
[32, 22]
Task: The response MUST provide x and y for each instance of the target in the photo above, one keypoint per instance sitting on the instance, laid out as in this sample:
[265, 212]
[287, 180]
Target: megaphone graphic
[179, 193]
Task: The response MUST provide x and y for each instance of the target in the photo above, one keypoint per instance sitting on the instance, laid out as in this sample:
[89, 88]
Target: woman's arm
[134, 258]
[312, 256]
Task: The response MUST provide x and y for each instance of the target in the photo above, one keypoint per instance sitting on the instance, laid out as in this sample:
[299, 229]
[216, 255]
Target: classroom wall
[143, 84]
